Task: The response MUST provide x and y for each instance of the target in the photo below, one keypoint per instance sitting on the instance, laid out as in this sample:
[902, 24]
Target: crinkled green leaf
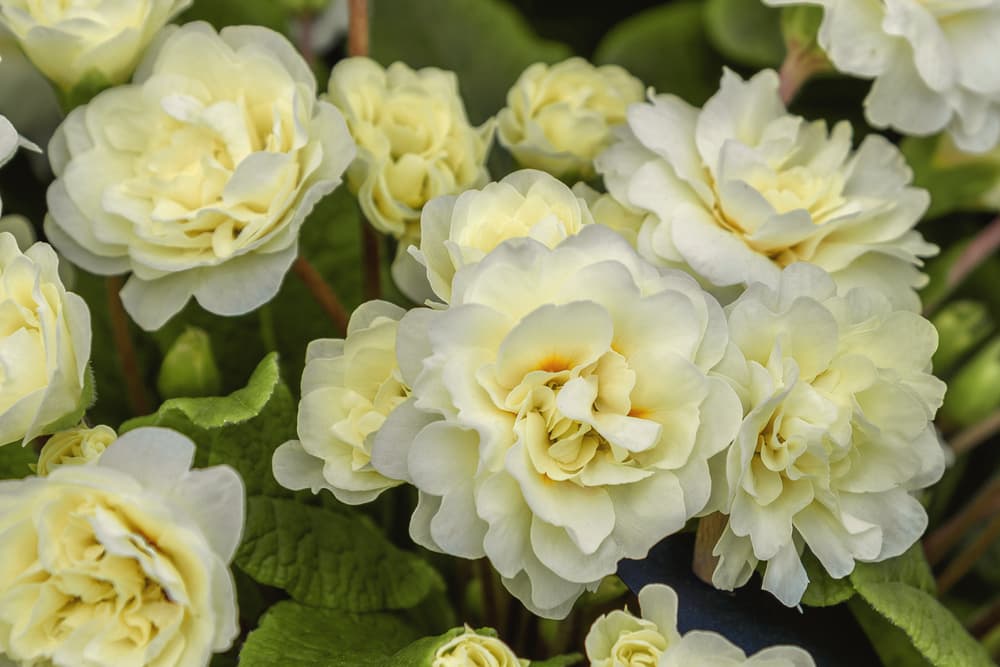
[823, 590]
[932, 629]
[668, 48]
[294, 635]
[486, 42]
[910, 568]
[15, 459]
[747, 32]
[242, 429]
[893, 645]
[330, 559]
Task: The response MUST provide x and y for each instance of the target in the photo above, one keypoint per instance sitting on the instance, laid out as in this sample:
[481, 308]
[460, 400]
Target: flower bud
[559, 117]
[189, 368]
[974, 392]
[75, 446]
[961, 326]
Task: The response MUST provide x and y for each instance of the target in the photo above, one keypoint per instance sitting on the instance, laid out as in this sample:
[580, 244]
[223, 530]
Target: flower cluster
[559, 118]
[123, 561]
[721, 319]
[622, 639]
[414, 140]
[930, 62]
[740, 189]
[198, 176]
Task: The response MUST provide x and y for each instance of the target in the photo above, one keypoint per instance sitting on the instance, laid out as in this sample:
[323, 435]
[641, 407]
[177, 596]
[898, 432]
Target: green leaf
[668, 48]
[242, 429]
[15, 459]
[486, 42]
[747, 32]
[823, 590]
[559, 661]
[931, 628]
[955, 180]
[293, 635]
[892, 644]
[330, 559]
[220, 13]
[910, 568]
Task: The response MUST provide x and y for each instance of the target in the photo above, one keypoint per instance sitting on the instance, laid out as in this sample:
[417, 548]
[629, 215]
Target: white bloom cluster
[123, 561]
[44, 344]
[70, 41]
[198, 176]
[540, 432]
[933, 62]
[414, 140]
[740, 189]
[559, 117]
[839, 401]
[619, 639]
[349, 386]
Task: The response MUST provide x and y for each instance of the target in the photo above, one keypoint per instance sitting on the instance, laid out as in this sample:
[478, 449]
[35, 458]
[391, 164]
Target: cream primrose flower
[619, 639]
[198, 176]
[610, 212]
[459, 230]
[44, 347]
[932, 62]
[349, 386]
[838, 432]
[70, 41]
[414, 140]
[471, 649]
[540, 432]
[741, 189]
[558, 117]
[76, 446]
[123, 561]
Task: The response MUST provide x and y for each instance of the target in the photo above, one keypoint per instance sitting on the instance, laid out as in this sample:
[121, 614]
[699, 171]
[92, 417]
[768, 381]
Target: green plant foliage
[189, 367]
[668, 48]
[559, 661]
[241, 430]
[901, 591]
[891, 644]
[486, 42]
[823, 590]
[15, 459]
[220, 13]
[294, 635]
[955, 181]
[330, 559]
[910, 568]
[748, 33]
[932, 629]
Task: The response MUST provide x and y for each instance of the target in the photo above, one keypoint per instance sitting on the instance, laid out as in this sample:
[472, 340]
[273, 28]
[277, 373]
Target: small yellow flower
[75, 446]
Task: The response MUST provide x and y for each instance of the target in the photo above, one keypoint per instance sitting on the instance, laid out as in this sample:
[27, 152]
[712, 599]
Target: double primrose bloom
[198, 175]
[740, 189]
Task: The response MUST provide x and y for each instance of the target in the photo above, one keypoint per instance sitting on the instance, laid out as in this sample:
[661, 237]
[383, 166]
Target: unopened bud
[974, 392]
[189, 368]
[961, 326]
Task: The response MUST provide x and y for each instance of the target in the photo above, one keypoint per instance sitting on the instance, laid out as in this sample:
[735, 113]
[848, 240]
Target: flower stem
[969, 438]
[306, 21]
[322, 293]
[943, 539]
[967, 558]
[357, 45]
[799, 66]
[491, 608]
[978, 251]
[709, 531]
[127, 358]
[357, 28]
